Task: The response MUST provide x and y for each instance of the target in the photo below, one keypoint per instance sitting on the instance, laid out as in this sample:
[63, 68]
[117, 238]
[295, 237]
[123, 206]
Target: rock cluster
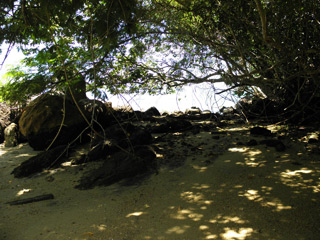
[127, 143]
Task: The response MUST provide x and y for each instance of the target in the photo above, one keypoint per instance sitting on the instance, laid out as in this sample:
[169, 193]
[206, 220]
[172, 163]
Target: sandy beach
[224, 190]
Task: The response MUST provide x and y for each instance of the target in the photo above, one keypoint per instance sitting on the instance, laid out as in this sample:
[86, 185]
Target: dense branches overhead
[272, 44]
[65, 40]
[30, 21]
[156, 45]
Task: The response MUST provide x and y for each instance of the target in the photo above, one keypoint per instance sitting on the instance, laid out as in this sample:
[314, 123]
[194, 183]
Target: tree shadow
[247, 193]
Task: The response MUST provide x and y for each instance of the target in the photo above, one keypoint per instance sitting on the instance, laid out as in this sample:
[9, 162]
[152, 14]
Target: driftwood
[31, 200]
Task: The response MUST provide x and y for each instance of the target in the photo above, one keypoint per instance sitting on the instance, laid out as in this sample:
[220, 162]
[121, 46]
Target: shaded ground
[210, 186]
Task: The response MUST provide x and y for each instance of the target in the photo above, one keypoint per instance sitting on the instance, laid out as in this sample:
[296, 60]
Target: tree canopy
[65, 42]
[261, 48]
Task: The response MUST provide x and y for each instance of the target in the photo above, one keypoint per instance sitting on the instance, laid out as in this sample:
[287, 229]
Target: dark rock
[1, 133]
[227, 110]
[137, 115]
[100, 112]
[160, 128]
[260, 131]
[229, 113]
[172, 125]
[42, 118]
[208, 127]
[128, 134]
[255, 108]
[118, 137]
[99, 151]
[11, 135]
[40, 162]
[179, 125]
[277, 144]
[15, 114]
[313, 140]
[4, 119]
[206, 112]
[193, 111]
[140, 136]
[208, 115]
[196, 130]
[121, 165]
[152, 112]
[176, 114]
[252, 142]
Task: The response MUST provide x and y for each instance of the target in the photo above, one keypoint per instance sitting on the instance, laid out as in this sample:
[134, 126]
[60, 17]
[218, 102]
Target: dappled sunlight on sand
[178, 229]
[187, 214]
[238, 149]
[16, 152]
[135, 214]
[248, 192]
[240, 234]
[23, 191]
[251, 179]
[195, 197]
[254, 195]
[101, 227]
[227, 219]
[250, 158]
[200, 168]
[284, 175]
[229, 233]
[302, 178]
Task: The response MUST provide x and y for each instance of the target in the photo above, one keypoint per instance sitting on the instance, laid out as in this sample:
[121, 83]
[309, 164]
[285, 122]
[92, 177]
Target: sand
[241, 193]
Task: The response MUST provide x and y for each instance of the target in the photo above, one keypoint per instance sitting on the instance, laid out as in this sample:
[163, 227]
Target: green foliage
[18, 89]
[272, 45]
[156, 46]
[65, 42]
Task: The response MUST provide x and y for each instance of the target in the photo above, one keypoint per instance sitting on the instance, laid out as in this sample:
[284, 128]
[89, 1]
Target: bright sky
[13, 59]
[201, 96]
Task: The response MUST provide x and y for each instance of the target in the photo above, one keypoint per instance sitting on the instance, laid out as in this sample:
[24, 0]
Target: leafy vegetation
[269, 46]
[66, 42]
[259, 48]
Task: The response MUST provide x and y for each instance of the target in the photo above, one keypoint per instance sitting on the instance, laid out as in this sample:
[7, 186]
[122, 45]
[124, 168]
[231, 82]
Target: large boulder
[41, 119]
